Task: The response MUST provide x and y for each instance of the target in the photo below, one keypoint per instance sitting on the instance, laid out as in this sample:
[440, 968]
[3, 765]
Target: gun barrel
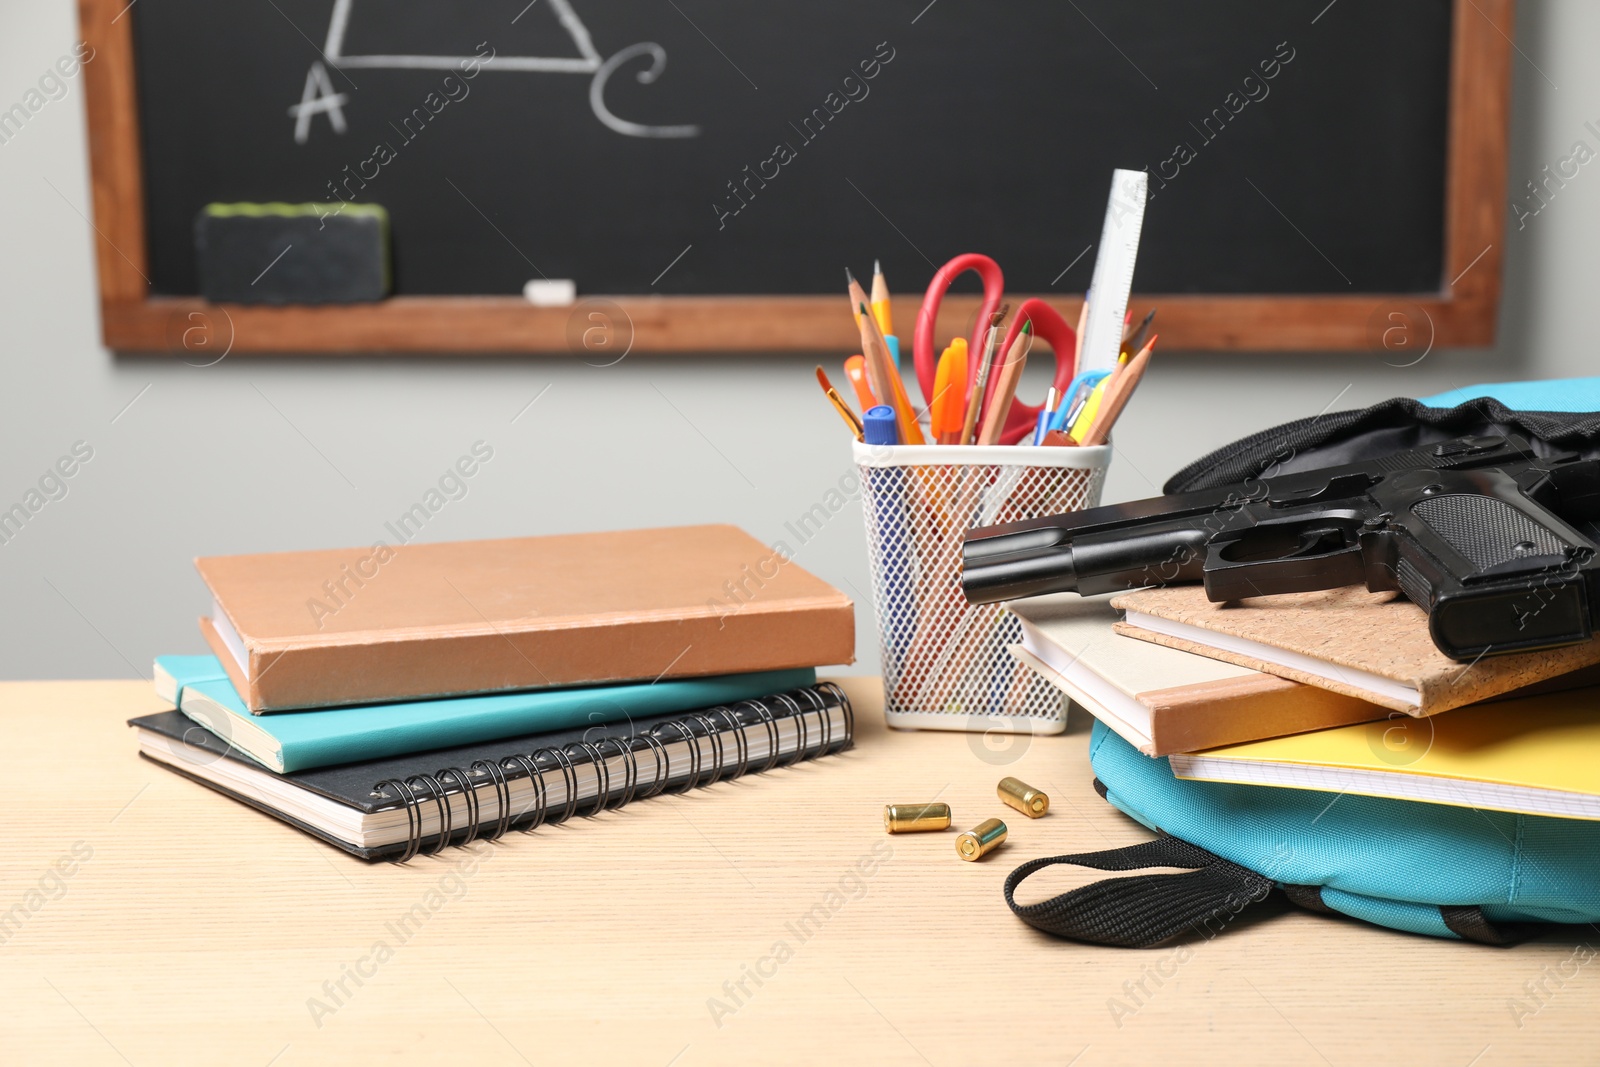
[1011, 575]
[1015, 564]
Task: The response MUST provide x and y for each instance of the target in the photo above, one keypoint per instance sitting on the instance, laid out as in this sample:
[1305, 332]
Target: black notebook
[393, 808]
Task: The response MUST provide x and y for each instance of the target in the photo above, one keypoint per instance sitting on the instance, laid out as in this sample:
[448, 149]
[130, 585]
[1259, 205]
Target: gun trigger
[1322, 558]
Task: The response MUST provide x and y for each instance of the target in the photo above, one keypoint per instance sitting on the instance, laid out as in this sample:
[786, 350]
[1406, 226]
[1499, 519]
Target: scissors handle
[994, 287]
[1048, 325]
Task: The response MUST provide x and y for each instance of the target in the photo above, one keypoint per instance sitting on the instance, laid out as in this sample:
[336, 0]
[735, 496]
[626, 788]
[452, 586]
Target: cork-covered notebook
[1369, 645]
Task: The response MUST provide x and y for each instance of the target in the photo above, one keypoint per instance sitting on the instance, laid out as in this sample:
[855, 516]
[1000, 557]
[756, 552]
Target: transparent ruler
[1113, 269]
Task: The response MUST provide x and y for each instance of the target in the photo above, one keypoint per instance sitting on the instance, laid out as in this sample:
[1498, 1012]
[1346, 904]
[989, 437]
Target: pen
[1046, 413]
[838, 402]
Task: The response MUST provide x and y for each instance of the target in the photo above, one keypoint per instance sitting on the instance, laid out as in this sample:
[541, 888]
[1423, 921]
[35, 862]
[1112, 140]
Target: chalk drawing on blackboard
[319, 96]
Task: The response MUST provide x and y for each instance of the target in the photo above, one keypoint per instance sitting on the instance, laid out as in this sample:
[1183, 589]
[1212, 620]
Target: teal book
[302, 740]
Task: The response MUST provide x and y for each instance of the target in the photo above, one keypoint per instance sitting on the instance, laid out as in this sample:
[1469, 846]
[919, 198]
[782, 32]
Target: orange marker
[855, 368]
[949, 389]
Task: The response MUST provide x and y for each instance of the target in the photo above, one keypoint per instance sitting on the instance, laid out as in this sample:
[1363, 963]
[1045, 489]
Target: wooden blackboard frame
[1463, 312]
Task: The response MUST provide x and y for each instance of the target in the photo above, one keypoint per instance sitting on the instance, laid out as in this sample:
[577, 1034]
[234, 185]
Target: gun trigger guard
[1300, 571]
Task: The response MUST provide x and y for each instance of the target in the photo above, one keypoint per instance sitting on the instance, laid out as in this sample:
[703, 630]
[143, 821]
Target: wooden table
[199, 930]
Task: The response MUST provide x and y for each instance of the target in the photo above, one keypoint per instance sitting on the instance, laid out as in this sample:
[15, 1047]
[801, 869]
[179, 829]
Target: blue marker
[879, 426]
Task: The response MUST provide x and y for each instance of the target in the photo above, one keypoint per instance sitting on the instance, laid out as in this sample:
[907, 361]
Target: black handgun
[1481, 532]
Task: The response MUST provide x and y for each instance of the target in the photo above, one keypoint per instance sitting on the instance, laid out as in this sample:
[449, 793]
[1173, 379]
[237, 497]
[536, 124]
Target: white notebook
[1163, 700]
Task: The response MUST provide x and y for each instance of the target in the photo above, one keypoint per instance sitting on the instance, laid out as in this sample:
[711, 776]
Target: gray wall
[258, 454]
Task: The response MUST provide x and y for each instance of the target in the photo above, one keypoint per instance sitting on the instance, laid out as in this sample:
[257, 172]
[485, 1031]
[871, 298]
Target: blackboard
[1294, 147]
[1327, 174]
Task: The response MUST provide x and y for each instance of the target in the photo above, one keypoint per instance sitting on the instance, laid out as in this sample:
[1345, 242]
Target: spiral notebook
[394, 808]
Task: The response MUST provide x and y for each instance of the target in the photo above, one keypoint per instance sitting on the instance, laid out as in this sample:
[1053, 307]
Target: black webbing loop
[1466, 921]
[1142, 911]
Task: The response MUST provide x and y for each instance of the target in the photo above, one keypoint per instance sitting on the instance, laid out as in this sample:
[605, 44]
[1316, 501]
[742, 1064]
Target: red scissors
[1047, 325]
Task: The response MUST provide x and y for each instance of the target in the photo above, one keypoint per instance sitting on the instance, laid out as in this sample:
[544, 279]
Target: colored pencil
[880, 298]
[885, 378]
[1077, 338]
[1135, 340]
[858, 296]
[1117, 395]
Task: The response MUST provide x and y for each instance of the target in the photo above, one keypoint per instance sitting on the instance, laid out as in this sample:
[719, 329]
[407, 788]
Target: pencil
[1077, 338]
[1117, 395]
[858, 298]
[858, 295]
[875, 366]
[880, 298]
[850, 417]
[880, 367]
[1135, 341]
[1005, 387]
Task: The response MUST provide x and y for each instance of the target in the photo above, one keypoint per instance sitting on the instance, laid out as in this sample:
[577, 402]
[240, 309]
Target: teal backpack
[1485, 876]
[1434, 869]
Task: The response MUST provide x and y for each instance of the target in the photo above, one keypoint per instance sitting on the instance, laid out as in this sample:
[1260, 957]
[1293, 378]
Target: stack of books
[392, 700]
[1339, 690]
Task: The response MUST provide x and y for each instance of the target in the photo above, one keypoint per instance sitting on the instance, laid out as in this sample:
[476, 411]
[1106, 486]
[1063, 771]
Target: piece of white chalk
[551, 292]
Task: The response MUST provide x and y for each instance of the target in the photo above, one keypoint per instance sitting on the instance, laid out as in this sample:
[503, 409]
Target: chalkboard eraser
[551, 292]
[292, 253]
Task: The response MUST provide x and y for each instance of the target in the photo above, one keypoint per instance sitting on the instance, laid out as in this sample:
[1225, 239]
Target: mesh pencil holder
[945, 664]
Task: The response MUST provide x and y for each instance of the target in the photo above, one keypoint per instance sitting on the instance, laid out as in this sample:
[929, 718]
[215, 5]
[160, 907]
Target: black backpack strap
[1144, 911]
[1467, 922]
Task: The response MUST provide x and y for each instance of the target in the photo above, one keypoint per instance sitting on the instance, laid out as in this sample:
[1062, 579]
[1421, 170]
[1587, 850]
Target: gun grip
[1321, 557]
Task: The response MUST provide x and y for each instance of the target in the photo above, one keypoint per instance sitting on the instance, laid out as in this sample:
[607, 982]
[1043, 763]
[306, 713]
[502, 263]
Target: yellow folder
[1537, 755]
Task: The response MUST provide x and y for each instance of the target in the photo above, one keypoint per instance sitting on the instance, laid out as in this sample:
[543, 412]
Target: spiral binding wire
[416, 790]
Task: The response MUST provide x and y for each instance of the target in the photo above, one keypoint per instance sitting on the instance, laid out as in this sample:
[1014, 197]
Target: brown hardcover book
[1374, 646]
[364, 625]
